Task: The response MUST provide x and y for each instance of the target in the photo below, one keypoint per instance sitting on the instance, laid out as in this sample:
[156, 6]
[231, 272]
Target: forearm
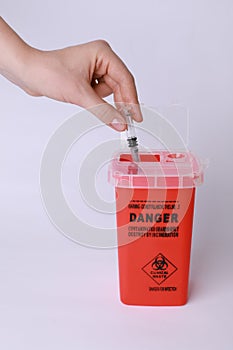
[13, 53]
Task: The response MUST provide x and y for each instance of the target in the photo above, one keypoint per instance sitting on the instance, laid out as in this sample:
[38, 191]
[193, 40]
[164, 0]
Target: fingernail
[118, 125]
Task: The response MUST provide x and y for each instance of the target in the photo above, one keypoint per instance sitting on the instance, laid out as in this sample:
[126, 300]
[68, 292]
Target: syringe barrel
[130, 126]
[131, 137]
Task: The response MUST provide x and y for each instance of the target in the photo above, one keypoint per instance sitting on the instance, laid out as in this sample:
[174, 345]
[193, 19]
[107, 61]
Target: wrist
[15, 55]
[14, 62]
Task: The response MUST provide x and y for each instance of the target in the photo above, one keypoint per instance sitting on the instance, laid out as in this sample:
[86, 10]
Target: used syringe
[132, 138]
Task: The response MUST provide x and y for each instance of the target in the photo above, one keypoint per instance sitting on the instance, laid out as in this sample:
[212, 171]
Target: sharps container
[154, 214]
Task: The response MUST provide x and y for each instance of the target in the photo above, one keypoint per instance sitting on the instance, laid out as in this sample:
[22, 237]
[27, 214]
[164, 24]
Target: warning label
[154, 219]
[159, 268]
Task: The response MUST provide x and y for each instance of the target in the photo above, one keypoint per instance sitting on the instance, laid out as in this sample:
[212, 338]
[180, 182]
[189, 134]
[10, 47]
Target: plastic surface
[154, 209]
[157, 170]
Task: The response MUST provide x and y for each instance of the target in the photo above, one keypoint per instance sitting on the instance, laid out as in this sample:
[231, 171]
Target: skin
[82, 75]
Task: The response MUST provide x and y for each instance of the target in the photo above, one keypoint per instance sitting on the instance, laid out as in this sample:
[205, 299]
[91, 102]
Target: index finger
[122, 83]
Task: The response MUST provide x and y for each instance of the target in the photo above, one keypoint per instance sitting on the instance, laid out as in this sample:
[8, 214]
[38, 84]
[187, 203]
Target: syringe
[131, 137]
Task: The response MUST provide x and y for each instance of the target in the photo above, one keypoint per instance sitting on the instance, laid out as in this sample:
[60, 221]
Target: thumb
[101, 109]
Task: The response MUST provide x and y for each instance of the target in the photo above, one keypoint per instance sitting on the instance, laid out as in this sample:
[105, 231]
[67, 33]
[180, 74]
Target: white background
[55, 294]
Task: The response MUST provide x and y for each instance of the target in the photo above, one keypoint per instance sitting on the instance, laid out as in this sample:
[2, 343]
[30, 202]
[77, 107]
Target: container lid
[156, 169]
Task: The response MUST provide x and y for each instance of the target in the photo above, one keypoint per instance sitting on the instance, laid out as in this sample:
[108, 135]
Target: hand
[81, 75]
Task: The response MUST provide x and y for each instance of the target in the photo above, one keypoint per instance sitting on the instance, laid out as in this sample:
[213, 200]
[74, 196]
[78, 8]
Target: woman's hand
[81, 75]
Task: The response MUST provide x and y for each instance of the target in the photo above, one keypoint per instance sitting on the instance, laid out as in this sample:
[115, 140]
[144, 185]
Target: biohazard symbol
[159, 268]
[160, 263]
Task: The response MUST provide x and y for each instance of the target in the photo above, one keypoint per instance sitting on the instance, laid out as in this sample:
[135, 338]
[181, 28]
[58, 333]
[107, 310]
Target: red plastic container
[154, 210]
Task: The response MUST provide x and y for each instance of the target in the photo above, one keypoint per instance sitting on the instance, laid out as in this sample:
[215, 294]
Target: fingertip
[133, 108]
[118, 125]
[137, 113]
[103, 110]
[115, 120]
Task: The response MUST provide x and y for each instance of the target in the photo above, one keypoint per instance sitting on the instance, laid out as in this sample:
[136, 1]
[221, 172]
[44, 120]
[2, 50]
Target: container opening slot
[148, 158]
